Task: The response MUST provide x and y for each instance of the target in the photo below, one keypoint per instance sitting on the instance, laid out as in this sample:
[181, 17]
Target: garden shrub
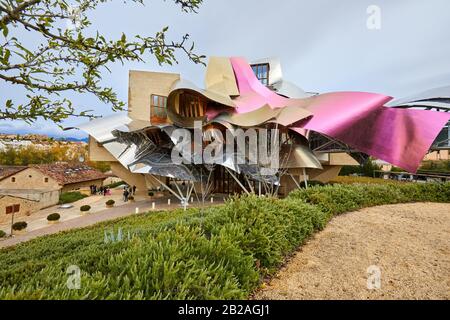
[110, 202]
[221, 252]
[69, 197]
[2, 234]
[20, 225]
[85, 208]
[53, 217]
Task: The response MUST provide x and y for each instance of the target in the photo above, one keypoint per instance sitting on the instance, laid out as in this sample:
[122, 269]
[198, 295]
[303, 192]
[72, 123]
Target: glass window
[158, 108]
[261, 71]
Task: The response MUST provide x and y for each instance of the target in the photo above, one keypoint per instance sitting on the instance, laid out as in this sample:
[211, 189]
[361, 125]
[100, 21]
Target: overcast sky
[324, 45]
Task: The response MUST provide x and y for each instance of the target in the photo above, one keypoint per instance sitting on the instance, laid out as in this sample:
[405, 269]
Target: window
[13, 209]
[45, 179]
[192, 105]
[13, 179]
[262, 72]
[158, 108]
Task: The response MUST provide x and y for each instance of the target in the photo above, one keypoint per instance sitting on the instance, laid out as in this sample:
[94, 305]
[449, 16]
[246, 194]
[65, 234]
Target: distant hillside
[71, 139]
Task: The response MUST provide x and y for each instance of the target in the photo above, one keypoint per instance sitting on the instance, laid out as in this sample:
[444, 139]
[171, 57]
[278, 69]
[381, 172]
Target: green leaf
[5, 31]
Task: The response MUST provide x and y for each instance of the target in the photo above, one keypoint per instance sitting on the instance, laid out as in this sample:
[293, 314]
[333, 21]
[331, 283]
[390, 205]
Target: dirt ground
[399, 251]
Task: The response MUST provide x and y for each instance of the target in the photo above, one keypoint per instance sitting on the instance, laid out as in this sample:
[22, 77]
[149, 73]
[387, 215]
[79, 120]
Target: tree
[68, 59]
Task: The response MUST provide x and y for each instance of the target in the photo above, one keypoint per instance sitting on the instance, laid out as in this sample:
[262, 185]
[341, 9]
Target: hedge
[70, 197]
[53, 217]
[222, 252]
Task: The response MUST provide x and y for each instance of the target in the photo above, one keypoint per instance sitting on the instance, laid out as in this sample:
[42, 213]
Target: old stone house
[34, 187]
[59, 176]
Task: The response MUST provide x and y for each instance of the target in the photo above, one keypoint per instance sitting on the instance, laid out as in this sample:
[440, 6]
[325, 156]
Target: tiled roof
[6, 171]
[65, 173]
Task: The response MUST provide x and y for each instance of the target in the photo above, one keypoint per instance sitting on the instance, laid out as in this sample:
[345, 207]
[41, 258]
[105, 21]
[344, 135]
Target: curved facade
[239, 96]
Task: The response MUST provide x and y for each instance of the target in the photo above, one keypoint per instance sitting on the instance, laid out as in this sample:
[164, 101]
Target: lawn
[69, 197]
[222, 252]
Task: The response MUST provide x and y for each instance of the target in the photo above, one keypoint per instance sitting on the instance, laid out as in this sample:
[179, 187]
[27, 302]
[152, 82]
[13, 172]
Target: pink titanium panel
[399, 136]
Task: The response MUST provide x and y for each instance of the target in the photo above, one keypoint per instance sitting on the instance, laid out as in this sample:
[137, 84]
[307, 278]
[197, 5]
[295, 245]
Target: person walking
[125, 195]
[134, 190]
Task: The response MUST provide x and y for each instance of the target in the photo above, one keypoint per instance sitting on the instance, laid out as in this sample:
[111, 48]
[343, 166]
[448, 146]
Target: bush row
[221, 252]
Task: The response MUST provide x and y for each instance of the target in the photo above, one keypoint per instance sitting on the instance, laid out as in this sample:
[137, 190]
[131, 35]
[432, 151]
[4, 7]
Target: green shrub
[85, 208]
[110, 202]
[221, 252]
[311, 183]
[2, 234]
[130, 198]
[364, 180]
[53, 217]
[151, 193]
[69, 197]
[20, 225]
[114, 184]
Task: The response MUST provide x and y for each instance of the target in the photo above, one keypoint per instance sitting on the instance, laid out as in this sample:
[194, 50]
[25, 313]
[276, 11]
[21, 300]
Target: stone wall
[29, 179]
[27, 207]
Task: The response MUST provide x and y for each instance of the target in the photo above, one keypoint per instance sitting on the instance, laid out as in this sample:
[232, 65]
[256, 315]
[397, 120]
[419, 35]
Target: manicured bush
[151, 193]
[20, 225]
[221, 252]
[131, 198]
[85, 208]
[69, 197]
[110, 202]
[114, 184]
[2, 234]
[312, 183]
[364, 180]
[53, 217]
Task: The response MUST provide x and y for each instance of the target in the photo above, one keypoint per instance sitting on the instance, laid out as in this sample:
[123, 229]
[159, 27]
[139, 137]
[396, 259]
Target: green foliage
[336, 199]
[311, 183]
[31, 155]
[20, 225]
[366, 170]
[85, 208]
[102, 166]
[115, 184]
[220, 252]
[2, 234]
[53, 217]
[62, 60]
[69, 197]
[435, 166]
[365, 180]
[110, 202]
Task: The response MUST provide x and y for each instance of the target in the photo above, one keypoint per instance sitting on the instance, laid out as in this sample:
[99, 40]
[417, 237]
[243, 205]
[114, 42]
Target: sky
[324, 45]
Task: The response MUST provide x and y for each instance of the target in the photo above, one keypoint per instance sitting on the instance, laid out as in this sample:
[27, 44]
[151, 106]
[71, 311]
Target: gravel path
[409, 243]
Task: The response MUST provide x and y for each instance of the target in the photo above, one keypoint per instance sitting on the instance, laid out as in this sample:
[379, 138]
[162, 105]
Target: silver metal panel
[436, 93]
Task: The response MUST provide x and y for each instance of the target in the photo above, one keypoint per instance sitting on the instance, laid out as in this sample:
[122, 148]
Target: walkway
[408, 243]
[99, 216]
